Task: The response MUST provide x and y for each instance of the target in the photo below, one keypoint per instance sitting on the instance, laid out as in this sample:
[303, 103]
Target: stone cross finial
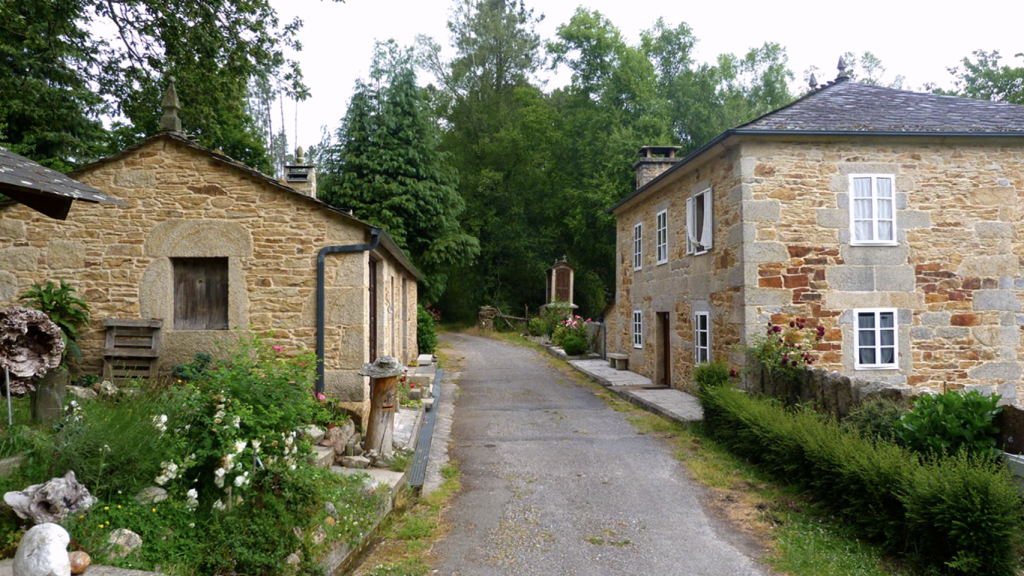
[170, 122]
[842, 70]
[300, 156]
[813, 82]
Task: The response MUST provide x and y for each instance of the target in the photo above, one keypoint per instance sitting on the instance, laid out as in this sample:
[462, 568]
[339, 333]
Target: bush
[65, 309]
[574, 345]
[875, 419]
[711, 375]
[959, 514]
[571, 326]
[197, 369]
[538, 326]
[785, 351]
[940, 424]
[426, 331]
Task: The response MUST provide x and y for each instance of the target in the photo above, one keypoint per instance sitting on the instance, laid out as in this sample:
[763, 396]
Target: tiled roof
[43, 189]
[846, 106]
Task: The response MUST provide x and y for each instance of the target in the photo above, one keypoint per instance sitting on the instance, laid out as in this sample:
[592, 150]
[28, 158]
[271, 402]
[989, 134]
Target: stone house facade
[208, 245]
[890, 218]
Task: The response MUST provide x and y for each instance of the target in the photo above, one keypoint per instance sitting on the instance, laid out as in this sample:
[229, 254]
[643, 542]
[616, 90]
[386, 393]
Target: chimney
[653, 161]
[170, 122]
[301, 176]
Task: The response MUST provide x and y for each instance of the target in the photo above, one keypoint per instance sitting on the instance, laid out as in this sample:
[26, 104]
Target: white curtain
[862, 216]
[885, 218]
[705, 233]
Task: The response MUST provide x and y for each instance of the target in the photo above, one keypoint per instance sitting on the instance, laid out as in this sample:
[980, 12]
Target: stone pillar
[48, 399]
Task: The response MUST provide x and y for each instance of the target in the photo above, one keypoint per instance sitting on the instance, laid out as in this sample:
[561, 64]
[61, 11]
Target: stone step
[314, 433]
[425, 359]
[323, 456]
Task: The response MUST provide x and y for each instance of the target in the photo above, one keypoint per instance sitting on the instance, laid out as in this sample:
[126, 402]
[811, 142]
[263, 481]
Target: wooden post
[381, 422]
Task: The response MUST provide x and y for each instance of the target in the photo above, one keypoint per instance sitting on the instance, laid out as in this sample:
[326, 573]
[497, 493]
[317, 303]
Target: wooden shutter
[200, 293]
[562, 285]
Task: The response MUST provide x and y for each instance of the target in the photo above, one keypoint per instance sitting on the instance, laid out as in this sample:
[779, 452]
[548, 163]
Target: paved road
[556, 483]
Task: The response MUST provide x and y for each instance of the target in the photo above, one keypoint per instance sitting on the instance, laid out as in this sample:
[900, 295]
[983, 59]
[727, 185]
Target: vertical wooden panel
[200, 293]
[562, 285]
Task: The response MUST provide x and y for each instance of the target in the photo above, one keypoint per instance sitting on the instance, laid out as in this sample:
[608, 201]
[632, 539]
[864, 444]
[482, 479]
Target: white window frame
[875, 200]
[661, 237]
[638, 329]
[877, 346]
[701, 354]
[638, 246]
[693, 246]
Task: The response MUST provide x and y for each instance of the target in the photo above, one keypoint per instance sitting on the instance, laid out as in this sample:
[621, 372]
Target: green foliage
[875, 419]
[711, 375]
[960, 515]
[197, 369]
[941, 424]
[572, 326]
[67, 311]
[426, 331]
[387, 167]
[987, 78]
[538, 326]
[574, 345]
[785, 351]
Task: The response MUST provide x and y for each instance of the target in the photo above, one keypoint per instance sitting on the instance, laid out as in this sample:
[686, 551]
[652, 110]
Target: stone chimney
[300, 175]
[170, 122]
[653, 161]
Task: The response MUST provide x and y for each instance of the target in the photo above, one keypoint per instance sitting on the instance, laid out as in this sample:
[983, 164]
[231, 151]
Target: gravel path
[557, 483]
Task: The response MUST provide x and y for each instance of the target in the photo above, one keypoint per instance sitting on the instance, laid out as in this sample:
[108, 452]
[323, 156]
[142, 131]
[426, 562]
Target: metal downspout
[320, 260]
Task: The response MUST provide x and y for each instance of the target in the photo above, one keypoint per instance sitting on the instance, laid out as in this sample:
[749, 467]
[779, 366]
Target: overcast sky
[916, 39]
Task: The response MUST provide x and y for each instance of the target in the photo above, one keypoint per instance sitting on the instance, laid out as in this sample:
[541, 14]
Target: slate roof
[846, 106]
[42, 188]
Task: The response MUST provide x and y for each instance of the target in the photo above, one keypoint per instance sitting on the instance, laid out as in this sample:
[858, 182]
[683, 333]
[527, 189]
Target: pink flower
[277, 348]
[320, 396]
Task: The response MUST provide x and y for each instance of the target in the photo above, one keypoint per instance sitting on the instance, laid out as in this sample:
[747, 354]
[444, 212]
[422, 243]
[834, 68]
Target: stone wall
[709, 282]
[954, 275]
[185, 203]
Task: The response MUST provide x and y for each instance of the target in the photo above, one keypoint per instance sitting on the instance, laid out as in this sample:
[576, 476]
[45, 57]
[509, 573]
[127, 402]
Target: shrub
[941, 424]
[875, 419]
[538, 326]
[571, 326]
[196, 369]
[959, 514]
[711, 375]
[553, 315]
[65, 309]
[426, 331]
[574, 345]
[785, 351]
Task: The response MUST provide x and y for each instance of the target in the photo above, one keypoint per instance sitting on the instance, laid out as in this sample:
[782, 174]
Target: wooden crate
[132, 348]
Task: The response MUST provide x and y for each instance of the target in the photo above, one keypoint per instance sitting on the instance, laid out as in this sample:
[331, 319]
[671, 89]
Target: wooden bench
[132, 348]
[618, 361]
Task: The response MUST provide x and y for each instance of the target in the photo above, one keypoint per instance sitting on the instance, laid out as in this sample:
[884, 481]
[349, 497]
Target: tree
[986, 78]
[47, 110]
[387, 168]
[866, 69]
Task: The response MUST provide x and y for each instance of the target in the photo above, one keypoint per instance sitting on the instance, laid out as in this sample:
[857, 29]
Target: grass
[797, 537]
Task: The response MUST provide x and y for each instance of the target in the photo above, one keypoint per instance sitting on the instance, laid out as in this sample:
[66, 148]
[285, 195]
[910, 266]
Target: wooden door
[372, 321]
[664, 350]
[562, 285]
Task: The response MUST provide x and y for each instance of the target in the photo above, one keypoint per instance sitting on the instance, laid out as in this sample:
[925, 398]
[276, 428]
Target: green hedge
[960, 515]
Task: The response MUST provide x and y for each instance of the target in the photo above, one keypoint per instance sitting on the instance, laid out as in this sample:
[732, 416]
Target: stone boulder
[123, 542]
[79, 561]
[50, 501]
[43, 552]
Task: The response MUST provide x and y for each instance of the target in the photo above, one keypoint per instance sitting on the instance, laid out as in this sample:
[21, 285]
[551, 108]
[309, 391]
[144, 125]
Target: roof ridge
[814, 92]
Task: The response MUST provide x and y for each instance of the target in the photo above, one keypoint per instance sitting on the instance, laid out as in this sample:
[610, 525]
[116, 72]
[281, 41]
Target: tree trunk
[381, 421]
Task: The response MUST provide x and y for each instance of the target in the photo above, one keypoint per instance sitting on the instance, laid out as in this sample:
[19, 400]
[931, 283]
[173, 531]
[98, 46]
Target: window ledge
[892, 367]
[874, 243]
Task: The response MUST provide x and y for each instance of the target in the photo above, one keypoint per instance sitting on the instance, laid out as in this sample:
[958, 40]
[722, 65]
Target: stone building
[890, 218]
[206, 245]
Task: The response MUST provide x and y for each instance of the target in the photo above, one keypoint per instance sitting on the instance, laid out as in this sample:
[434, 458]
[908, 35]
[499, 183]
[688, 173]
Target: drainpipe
[320, 259]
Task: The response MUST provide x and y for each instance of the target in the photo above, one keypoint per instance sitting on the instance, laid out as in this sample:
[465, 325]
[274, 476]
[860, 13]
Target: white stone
[43, 552]
[50, 501]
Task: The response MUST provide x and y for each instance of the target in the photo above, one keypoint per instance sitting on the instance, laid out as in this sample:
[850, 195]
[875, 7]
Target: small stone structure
[560, 279]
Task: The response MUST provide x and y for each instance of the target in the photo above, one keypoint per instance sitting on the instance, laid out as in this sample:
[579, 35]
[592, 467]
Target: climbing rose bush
[786, 350]
[571, 326]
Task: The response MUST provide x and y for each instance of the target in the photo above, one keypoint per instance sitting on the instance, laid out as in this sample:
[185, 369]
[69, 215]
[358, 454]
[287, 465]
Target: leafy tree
[986, 78]
[866, 69]
[387, 168]
[47, 109]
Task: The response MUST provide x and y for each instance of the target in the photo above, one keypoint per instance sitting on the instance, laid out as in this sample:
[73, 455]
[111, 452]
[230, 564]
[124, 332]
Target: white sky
[916, 39]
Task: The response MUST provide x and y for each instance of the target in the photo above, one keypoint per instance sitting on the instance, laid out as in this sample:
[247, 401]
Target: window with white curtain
[698, 223]
[661, 238]
[701, 338]
[638, 329]
[876, 343]
[638, 246]
[872, 210]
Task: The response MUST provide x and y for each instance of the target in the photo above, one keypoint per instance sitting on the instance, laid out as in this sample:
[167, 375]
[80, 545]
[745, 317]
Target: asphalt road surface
[557, 483]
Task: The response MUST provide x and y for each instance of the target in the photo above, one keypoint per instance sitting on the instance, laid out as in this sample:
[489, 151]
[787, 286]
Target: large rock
[50, 501]
[43, 552]
[151, 495]
[123, 542]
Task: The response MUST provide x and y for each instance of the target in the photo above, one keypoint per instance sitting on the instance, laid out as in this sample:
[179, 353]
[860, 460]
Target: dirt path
[557, 483]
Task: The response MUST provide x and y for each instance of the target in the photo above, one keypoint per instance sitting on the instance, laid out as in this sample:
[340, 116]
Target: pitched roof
[386, 241]
[845, 106]
[847, 109]
[43, 189]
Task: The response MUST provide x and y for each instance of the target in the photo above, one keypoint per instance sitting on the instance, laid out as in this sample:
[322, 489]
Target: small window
[873, 210]
[638, 246]
[661, 238]
[200, 293]
[701, 338]
[638, 329]
[876, 339]
[698, 223]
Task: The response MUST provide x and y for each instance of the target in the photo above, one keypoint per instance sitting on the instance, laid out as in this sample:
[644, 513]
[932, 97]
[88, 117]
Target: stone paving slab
[675, 404]
[7, 569]
[600, 370]
[407, 425]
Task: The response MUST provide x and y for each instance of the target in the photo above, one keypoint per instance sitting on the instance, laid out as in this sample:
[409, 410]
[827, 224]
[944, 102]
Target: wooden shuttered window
[562, 285]
[200, 293]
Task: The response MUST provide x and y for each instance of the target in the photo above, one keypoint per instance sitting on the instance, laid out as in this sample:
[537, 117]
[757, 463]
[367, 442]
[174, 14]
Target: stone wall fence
[836, 394]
